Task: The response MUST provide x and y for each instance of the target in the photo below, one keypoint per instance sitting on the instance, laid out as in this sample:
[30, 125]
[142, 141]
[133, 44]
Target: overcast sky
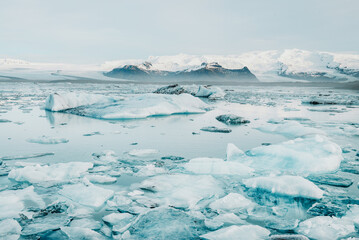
[93, 31]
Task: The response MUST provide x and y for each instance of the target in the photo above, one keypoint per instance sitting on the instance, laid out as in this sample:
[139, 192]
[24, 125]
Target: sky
[94, 31]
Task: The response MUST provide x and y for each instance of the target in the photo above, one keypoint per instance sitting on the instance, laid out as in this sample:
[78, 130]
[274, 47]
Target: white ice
[217, 166]
[57, 172]
[10, 229]
[47, 140]
[87, 194]
[233, 202]
[243, 232]
[143, 152]
[292, 186]
[133, 106]
[308, 154]
[182, 190]
[13, 202]
[211, 92]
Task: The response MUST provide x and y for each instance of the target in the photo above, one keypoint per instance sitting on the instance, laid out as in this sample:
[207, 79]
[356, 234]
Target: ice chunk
[224, 219]
[120, 221]
[244, 232]
[59, 102]
[13, 202]
[210, 92]
[182, 190]
[101, 179]
[309, 154]
[233, 153]
[82, 233]
[217, 166]
[105, 157]
[288, 237]
[87, 194]
[55, 172]
[44, 224]
[331, 180]
[86, 223]
[20, 157]
[216, 129]
[143, 152]
[171, 89]
[290, 129]
[325, 227]
[233, 202]
[150, 170]
[166, 223]
[138, 106]
[4, 121]
[9, 229]
[293, 186]
[47, 140]
[231, 119]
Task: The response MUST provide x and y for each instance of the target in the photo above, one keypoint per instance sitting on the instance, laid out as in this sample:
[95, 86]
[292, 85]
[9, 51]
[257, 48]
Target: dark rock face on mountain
[207, 71]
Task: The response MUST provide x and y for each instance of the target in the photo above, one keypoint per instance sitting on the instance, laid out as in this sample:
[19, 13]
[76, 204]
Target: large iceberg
[307, 154]
[132, 106]
[293, 186]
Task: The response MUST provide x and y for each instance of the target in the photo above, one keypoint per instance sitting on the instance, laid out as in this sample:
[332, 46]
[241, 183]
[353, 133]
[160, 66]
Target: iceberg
[325, 227]
[231, 119]
[290, 129]
[181, 190]
[292, 186]
[142, 152]
[216, 166]
[308, 154]
[210, 92]
[131, 107]
[82, 233]
[58, 172]
[47, 140]
[243, 232]
[13, 202]
[233, 202]
[10, 229]
[86, 194]
[59, 102]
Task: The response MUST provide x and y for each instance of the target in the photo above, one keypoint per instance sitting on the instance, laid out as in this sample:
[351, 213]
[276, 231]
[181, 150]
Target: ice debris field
[126, 161]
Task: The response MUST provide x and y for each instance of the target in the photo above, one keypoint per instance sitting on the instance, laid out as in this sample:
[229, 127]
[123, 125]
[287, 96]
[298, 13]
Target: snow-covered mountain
[267, 66]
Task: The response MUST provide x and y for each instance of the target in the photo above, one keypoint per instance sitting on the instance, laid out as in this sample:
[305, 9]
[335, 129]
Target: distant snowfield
[268, 66]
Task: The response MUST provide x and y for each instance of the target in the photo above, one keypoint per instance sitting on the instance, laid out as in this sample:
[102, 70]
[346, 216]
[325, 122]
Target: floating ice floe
[82, 233]
[223, 219]
[150, 170]
[105, 157]
[20, 157]
[210, 92]
[131, 107]
[13, 202]
[47, 140]
[58, 172]
[86, 223]
[231, 119]
[234, 153]
[102, 179]
[293, 186]
[217, 166]
[325, 227]
[120, 221]
[308, 154]
[233, 202]
[143, 152]
[44, 224]
[59, 102]
[86, 194]
[243, 232]
[290, 129]
[10, 229]
[182, 190]
[216, 129]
